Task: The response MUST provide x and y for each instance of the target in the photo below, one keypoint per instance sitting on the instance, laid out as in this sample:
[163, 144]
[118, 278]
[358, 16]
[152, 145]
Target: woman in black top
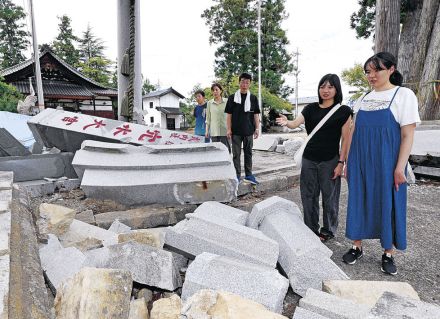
[324, 156]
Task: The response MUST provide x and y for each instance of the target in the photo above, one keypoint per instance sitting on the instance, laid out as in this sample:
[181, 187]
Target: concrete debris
[255, 282]
[10, 146]
[118, 227]
[138, 309]
[95, 293]
[429, 172]
[40, 188]
[67, 130]
[145, 294]
[166, 308]
[292, 145]
[55, 219]
[170, 174]
[302, 313]
[217, 210]
[196, 235]
[79, 231]
[266, 143]
[280, 148]
[148, 265]
[86, 217]
[151, 237]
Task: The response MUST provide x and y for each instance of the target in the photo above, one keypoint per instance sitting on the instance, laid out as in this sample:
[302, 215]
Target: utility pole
[260, 104]
[296, 73]
[36, 60]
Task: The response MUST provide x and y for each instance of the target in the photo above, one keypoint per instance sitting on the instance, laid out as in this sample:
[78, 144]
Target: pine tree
[90, 46]
[13, 38]
[64, 45]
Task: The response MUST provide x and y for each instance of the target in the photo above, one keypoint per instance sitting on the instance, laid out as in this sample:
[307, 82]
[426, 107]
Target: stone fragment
[86, 217]
[302, 313]
[4, 285]
[166, 308]
[199, 234]
[86, 244]
[55, 219]
[10, 146]
[266, 143]
[118, 227]
[154, 238]
[332, 306]
[79, 231]
[367, 292]
[212, 304]
[5, 232]
[292, 145]
[255, 282]
[280, 148]
[148, 265]
[218, 210]
[391, 305]
[138, 309]
[95, 293]
[146, 294]
[146, 216]
[6, 179]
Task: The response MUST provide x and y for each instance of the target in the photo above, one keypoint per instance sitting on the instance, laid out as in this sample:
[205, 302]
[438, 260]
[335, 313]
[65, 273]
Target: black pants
[222, 139]
[248, 142]
[316, 178]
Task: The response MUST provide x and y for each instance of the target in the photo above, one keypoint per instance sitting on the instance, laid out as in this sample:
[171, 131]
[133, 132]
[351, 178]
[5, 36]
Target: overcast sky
[175, 47]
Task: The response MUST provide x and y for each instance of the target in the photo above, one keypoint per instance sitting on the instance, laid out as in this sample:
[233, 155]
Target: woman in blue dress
[382, 137]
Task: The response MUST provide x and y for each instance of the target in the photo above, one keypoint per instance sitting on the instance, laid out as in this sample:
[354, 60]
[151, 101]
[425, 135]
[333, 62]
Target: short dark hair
[334, 81]
[246, 76]
[216, 85]
[199, 92]
[384, 61]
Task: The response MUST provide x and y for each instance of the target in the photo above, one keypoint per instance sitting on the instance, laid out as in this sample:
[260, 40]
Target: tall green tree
[233, 28]
[9, 97]
[90, 46]
[64, 44]
[148, 87]
[355, 77]
[13, 38]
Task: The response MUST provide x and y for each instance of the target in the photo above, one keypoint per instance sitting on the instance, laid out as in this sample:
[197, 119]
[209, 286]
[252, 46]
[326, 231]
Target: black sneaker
[388, 265]
[351, 256]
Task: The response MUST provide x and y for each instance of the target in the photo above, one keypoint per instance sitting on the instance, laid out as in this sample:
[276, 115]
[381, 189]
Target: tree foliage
[9, 97]
[64, 44]
[233, 28]
[13, 38]
[148, 87]
[90, 46]
[355, 77]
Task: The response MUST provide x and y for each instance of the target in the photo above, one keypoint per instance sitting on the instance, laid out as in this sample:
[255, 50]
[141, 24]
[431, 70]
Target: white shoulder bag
[299, 153]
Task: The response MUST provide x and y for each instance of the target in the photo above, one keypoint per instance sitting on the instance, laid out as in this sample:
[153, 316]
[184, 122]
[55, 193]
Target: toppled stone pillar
[172, 174]
[218, 210]
[258, 283]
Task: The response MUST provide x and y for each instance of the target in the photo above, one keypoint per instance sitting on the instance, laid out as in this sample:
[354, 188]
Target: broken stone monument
[67, 130]
[172, 174]
[266, 143]
[9, 146]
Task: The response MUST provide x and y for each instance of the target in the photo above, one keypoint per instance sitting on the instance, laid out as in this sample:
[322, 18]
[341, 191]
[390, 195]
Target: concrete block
[266, 143]
[146, 216]
[367, 292]
[430, 172]
[54, 219]
[197, 235]
[255, 282]
[150, 237]
[5, 233]
[391, 305]
[218, 210]
[280, 148]
[33, 189]
[86, 217]
[79, 231]
[301, 313]
[4, 285]
[332, 306]
[67, 130]
[292, 145]
[10, 146]
[426, 142]
[118, 228]
[148, 265]
[6, 179]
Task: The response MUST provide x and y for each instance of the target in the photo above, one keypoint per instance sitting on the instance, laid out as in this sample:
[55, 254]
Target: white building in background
[162, 109]
[303, 101]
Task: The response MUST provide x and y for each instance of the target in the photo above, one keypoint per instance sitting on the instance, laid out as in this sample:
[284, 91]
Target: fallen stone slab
[171, 174]
[367, 292]
[196, 235]
[146, 216]
[4, 285]
[10, 146]
[58, 263]
[218, 210]
[292, 145]
[34, 167]
[151, 237]
[86, 217]
[222, 304]
[39, 188]
[67, 130]
[255, 282]
[118, 227]
[79, 231]
[5, 232]
[430, 172]
[280, 148]
[266, 143]
[426, 142]
[166, 308]
[95, 293]
[302, 313]
[391, 305]
[54, 219]
[148, 265]
[332, 306]
[138, 309]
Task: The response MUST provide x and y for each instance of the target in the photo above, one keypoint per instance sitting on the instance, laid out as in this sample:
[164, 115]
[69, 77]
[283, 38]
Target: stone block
[154, 238]
[148, 265]
[138, 309]
[95, 293]
[145, 217]
[367, 292]
[5, 233]
[79, 231]
[196, 235]
[255, 282]
[118, 228]
[10, 146]
[86, 217]
[145, 294]
[55, 219]
[301, 313]
[292, 145]
[218, 210]
[266, 143]
[280, 148]
[332, 306]
[35, 189]
[166, 308]
[6, 179]
[4, 285]
[85, 244]
[391, 305]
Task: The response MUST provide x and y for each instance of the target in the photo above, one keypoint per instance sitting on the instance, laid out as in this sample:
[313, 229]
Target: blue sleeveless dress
[375, 209]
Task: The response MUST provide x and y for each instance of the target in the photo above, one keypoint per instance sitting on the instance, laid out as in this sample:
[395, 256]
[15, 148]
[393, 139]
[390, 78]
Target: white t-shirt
[404, 107]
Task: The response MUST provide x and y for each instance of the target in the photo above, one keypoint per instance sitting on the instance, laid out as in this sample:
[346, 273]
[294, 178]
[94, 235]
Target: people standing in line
[242, 123]
[382, 137]
[200, 114]
[323, 158]
[216, 117]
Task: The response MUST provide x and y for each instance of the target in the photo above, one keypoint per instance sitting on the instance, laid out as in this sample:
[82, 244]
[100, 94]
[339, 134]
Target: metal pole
[36, 60]
[296, 84]
[260, 104]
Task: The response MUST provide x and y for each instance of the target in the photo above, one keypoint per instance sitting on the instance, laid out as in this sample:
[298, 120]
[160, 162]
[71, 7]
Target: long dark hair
[384, 61]
[334, 81]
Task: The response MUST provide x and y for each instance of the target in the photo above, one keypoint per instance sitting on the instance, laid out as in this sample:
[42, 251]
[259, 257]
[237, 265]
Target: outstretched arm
[283, 121]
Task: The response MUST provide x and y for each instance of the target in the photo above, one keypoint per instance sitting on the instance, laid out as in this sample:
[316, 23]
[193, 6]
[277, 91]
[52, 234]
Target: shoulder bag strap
[322, 122]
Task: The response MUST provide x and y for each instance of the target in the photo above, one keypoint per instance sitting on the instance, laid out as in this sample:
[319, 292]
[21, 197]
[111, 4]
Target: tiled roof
[163, 92]
[55, 88]
[170, 110]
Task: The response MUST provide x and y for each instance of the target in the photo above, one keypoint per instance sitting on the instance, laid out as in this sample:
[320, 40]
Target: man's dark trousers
[248, 142]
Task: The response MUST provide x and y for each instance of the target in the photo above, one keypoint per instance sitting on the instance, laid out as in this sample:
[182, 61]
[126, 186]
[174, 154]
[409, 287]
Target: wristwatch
[341, 162]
